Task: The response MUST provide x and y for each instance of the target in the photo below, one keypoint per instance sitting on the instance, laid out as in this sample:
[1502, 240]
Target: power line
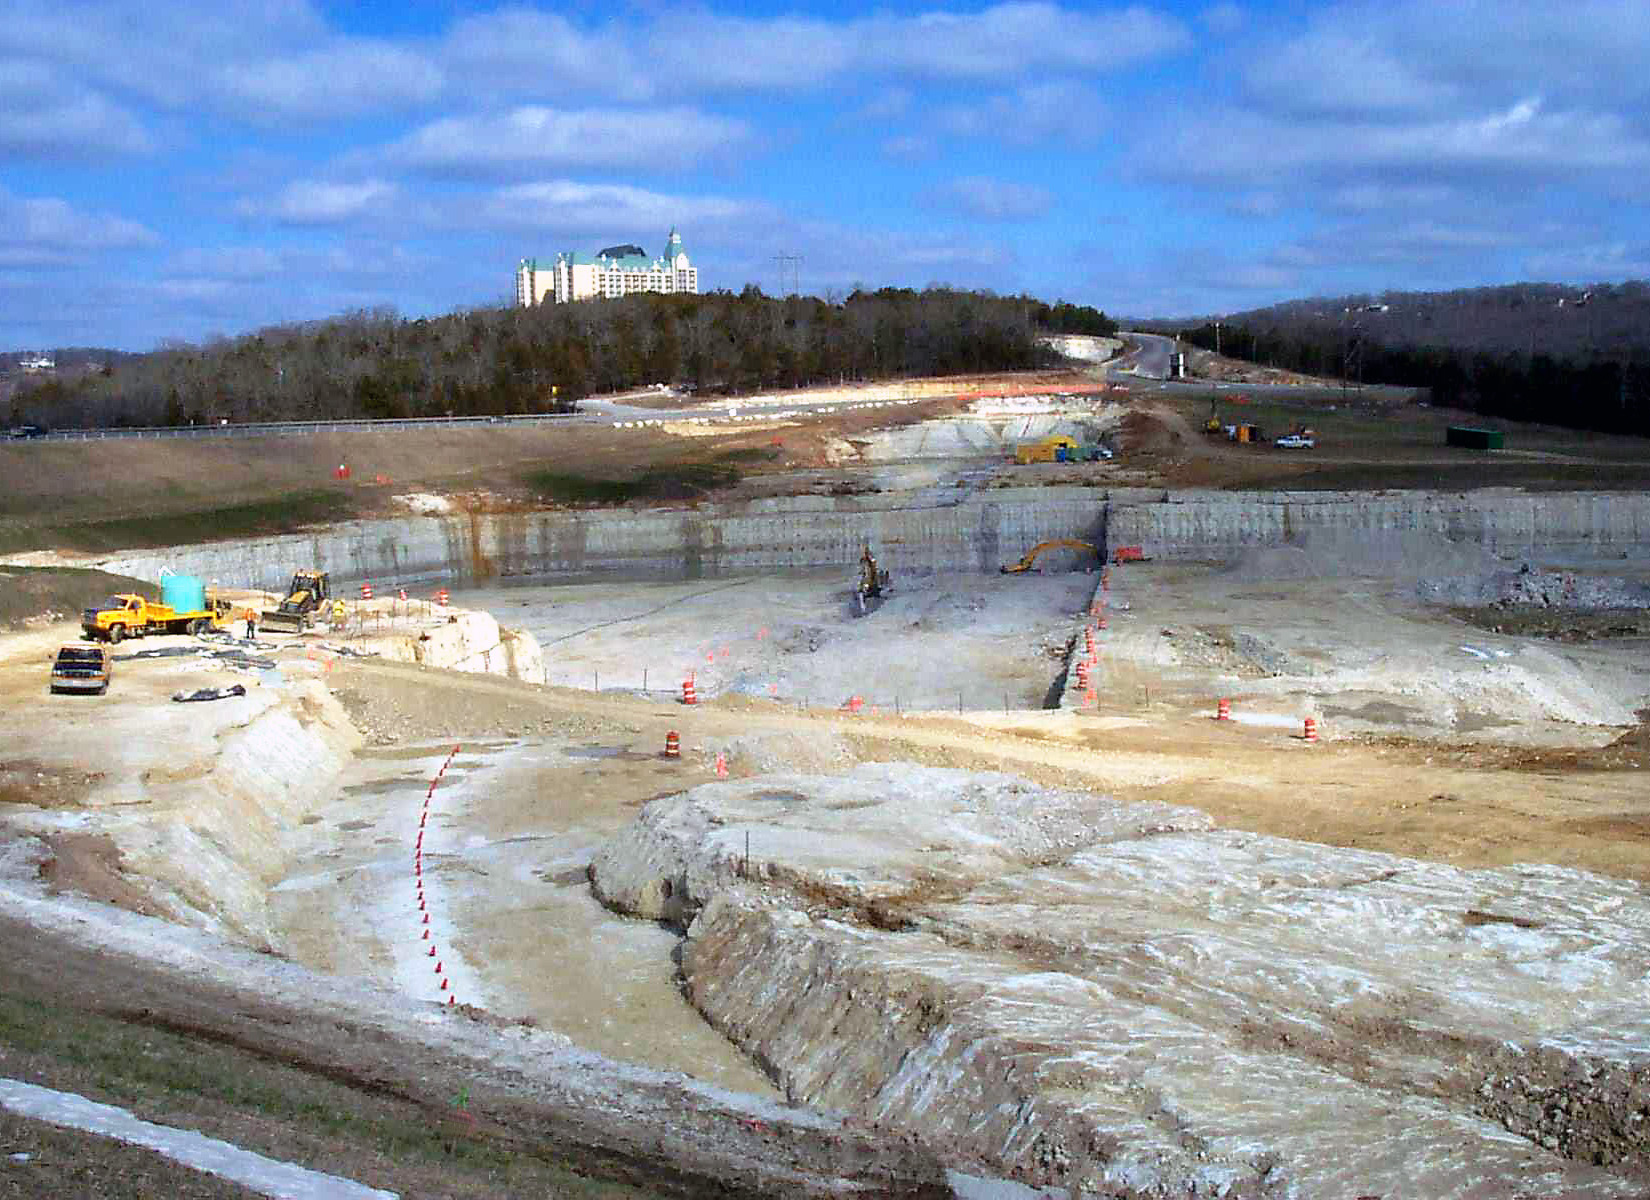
[794, 263]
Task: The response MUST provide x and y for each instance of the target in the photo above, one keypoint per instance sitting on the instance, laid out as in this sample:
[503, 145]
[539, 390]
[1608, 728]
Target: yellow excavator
[1026, 563]
[873, 584]
[304, 597]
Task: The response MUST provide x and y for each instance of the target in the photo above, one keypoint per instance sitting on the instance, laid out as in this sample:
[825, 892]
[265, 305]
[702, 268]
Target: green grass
[684, 482]
[30, 591]
[262, 518]
[176, 1076]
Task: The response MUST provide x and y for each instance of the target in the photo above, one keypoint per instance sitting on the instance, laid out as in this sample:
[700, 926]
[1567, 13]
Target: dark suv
[81, 668]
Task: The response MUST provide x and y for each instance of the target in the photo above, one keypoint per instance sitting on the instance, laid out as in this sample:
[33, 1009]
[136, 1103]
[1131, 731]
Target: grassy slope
[72, 1032]
[1368, 447]
[99, 496]
[32, 591]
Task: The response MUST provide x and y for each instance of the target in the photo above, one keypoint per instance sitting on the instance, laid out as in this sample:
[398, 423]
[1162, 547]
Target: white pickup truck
[1294, 441]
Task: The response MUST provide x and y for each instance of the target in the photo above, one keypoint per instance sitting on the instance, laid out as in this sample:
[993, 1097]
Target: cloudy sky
[183, 168]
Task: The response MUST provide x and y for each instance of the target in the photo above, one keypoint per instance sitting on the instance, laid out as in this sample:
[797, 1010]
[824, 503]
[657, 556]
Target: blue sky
[195, 167]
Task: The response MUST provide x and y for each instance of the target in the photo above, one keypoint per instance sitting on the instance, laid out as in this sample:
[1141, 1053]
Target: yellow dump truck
[128, 615]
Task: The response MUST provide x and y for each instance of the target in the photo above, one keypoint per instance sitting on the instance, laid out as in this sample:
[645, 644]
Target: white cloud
[1058, 110]
[991, 199]
[44, 115]
[1333, 71]
[787, 53]
[227, 262]
[568, 209]
[1029, 38]
[1224, 19]
[1592, 262]
[1390, 195]
[1524, 139]
[886, 105]
[317, 202]
[522, 52]
[1420, 57]
[265, 62]
[908, 148]
[344, 79]
[518, 51]
[530, 138]
[1259, 203]
[52, 227]
[838, 255]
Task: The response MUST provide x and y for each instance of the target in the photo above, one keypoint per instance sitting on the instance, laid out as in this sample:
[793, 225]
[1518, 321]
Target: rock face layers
[968, 531]
[200, 804]
[1119, 998]
[1382, 528]
[469, 641]
[962, 531]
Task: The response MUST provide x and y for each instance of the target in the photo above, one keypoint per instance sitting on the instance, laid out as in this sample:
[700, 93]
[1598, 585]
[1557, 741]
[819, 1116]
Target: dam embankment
[978, 531]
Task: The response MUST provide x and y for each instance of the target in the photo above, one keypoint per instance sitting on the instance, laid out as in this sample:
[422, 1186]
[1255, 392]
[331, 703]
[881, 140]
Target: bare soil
[126, 493]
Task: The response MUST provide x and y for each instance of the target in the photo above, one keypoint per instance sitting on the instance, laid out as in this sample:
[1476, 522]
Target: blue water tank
[185, 593]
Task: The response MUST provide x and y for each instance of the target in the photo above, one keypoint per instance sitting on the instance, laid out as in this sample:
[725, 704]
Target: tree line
[510, 360]
[1583, 392]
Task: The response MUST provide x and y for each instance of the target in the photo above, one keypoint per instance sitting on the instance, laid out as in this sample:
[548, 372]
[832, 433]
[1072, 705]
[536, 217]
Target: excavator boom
[1030, 560]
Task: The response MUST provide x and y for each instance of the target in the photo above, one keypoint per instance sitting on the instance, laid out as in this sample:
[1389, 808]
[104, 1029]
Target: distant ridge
[1586, 323]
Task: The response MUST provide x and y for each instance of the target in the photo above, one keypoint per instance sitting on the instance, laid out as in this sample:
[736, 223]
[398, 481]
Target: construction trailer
[1474, 439]
[1058, 448]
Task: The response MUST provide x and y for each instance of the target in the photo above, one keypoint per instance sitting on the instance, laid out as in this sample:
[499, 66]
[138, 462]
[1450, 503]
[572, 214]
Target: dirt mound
[92, 865]
[30, 595]
[1144, 433]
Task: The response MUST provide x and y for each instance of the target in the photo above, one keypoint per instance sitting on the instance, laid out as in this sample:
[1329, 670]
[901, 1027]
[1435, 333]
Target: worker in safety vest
[251, 625]
[337, 612]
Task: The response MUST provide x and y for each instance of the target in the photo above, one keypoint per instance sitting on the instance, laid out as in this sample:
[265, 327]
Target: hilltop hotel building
[613, 272]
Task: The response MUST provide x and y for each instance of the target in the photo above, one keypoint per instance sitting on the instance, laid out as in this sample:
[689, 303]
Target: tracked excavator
[872, 586]
[1026, 563]
[304, 597]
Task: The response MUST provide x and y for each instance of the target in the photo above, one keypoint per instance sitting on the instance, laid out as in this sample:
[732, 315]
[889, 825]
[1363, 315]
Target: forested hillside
[542, 359]
[1528, 352]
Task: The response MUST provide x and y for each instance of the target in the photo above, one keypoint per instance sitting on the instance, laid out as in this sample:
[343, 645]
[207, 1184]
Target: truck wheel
[197, 626]
[116, 632]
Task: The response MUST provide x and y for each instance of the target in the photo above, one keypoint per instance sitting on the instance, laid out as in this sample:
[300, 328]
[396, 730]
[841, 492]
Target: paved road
[1146, 358]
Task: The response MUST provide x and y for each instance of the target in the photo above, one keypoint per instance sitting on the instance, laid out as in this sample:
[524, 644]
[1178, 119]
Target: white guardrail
[292, 428]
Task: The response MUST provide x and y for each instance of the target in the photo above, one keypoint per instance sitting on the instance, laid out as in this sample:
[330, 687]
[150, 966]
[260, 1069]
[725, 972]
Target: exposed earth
[890, 924]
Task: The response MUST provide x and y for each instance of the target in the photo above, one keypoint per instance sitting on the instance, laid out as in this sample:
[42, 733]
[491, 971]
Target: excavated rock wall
[1121, 999]
[977, 530]
[1383, 525]
[970, 531]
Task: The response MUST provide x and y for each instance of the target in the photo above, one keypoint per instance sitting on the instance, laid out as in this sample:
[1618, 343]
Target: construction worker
[251, 625]
[337, 612]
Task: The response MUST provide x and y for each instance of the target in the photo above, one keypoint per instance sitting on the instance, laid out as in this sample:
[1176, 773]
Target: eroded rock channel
[1121, 999]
